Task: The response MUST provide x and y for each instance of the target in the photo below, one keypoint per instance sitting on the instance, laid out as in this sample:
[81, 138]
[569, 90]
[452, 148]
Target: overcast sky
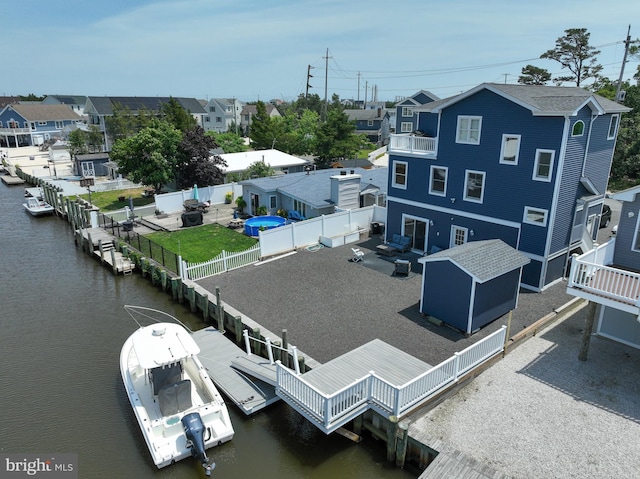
[260, 49]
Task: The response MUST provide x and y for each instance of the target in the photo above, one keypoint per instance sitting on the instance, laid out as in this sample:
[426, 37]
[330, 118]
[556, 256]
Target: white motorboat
[178, 408]
[37, 207]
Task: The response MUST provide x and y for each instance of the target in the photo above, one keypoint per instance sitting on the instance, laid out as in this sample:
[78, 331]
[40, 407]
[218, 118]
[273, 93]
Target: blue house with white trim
[31, 124]
[525, 164]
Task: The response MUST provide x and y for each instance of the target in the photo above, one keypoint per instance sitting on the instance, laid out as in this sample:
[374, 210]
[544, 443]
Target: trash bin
[376, 228]
[127, 225]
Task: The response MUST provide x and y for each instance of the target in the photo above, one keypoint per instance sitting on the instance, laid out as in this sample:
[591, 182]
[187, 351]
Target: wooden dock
[217, 354]
[12, 180]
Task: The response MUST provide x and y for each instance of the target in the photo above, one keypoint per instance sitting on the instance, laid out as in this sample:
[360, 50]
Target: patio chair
[358, 254]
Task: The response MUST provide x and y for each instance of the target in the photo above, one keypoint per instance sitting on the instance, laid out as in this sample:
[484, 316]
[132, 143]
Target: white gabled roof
[276, 159]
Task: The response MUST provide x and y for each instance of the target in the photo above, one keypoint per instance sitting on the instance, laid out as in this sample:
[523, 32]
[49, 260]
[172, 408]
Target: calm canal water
[62, 324]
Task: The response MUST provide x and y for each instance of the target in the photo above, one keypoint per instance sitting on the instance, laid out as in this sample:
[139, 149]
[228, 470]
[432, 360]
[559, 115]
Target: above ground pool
[254, 225]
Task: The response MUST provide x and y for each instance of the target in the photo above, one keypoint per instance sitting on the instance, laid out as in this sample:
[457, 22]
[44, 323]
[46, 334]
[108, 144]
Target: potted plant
[228, 198]
[261, 210]
[241, 204]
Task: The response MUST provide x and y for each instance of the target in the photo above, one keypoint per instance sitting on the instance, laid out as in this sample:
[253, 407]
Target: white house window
[578, 128]
[212, 109]
[544, 165]
[44, 123]
[272, 202]
[59, 125]
[458, 236]
[218, 119]
[33, 125]
[400, 174]
[406, 127]
[510, 149]
[535, 216]
[474, 186]
[407, 111]
[613, 127]
[438, 184]
[369, 122]
[468, 130]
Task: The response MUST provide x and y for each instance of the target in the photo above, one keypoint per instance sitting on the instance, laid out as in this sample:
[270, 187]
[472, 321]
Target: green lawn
[202, 243]
[116, 200]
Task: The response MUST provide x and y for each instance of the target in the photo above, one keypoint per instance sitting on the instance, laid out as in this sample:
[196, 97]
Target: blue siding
[532, 273]
[555, 268]
[447, 293]
[623, 255]
[495, 298]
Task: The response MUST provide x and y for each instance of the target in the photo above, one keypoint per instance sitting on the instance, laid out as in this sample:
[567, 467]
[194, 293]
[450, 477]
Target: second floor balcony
[594, 277]
[412, 144]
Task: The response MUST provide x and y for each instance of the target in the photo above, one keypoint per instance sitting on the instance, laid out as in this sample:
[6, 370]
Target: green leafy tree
[196, 165]
[574, 53]
[264, 130]
[77, 143]
[174, 113]
[124, 123]
[336, 138]
[625, 170]
[300, 131]
[229, 142]
[258, 169]
[532, 75]
[149, 157]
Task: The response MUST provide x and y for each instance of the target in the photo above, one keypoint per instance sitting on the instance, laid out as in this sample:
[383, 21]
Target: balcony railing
[416, 145]
[15, 131]
[591, 273]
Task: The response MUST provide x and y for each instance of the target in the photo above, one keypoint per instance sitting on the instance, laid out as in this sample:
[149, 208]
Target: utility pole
[326, 80]
[627, 43]
[366, 91]
[309, 77]
[358, 87]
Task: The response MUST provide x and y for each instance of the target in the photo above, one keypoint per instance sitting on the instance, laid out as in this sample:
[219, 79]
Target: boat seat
[174, 398]
[164, 375]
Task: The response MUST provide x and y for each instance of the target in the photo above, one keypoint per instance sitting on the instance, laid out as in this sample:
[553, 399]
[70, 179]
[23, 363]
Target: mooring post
[237, 325]
[174, 288]
[218, 304]
[392, 427]
[191, 295]
[296, 364]
[221, 319]
[401, 447]
[163, 279]
[269, 350]
[357, 425]
[180, 291]
[114, 265]
[205, 308]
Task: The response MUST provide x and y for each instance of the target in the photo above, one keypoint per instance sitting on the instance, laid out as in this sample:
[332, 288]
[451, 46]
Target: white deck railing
[333, 410]
[590, 272]
[417, 145]
[223, 262]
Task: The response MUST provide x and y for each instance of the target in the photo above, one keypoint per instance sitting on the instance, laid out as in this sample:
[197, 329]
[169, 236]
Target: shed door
[88, 169]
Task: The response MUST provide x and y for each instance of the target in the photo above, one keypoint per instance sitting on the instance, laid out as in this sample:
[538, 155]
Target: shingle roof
[104, 104]
[482, 260]
[315, 188]
[39, 112]
[540, 99]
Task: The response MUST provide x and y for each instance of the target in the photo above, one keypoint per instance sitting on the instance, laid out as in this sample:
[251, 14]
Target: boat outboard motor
[194, 430]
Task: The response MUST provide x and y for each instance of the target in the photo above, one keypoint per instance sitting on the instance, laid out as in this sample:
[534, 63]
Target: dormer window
[578, 128]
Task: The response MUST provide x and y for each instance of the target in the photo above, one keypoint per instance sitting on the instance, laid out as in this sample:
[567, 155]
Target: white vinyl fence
[221, 263]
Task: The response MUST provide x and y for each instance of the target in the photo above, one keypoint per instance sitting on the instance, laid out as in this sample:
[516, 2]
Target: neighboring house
[317, 192]
[249, 111]
[609, 275]
[222, 113]
[525, 164]
[405, 111]
[98, 108]
[34, 123]
[279, 161]
[374, 124]
[8, 100]
[75, 102]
